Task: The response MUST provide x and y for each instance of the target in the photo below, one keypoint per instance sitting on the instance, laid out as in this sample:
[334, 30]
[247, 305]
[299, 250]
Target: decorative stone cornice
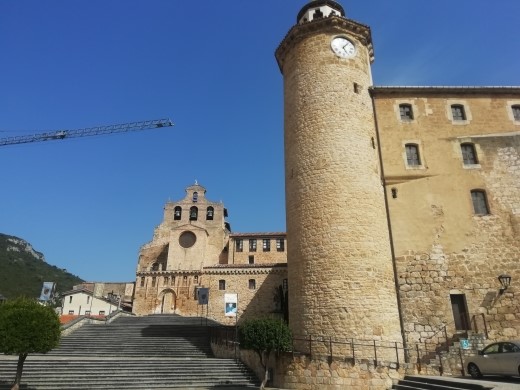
[333, 23]
[444, 90]
[246, 269]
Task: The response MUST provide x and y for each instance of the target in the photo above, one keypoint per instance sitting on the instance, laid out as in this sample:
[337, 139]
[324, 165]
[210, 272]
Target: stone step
[429, 383]
[132, 353]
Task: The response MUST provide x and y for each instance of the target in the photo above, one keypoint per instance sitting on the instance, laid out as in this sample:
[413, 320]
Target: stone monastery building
[403, 206]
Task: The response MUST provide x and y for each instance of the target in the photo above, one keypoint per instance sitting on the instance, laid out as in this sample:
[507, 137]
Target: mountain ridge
[24, 269]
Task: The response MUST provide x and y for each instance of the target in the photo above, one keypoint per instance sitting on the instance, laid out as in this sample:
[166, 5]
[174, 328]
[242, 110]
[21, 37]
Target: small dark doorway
[460, 311]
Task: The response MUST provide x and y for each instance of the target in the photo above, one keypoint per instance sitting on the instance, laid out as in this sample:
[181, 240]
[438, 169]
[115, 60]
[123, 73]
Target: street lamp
[505, 281]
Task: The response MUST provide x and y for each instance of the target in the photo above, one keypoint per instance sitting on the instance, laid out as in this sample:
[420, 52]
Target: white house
[83, 302]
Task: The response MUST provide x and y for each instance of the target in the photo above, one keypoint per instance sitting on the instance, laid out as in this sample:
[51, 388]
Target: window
[195, 197]
[154, 280]
[469, 156]
[209, 213]
[412, 155]
[88, 300]
[142, 281]
[71, 311]
[173, 280]
[406, 112]
[280, 244]
[239, 245]
[87, 312]
[509, 348]
[458, 113]
[266, 245]
[251, 259]
[184, 280]
[177, 213]
[252, 284]
[194, 212]
[70, 299]
[101, 312]
[252, 245]
[479, 199]
[155, 267]
[516, 112]
[493, 348]
[221, 284]
[166, 280]
[196, 279]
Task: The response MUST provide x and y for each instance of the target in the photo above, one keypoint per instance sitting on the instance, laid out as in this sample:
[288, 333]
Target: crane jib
[86, 132]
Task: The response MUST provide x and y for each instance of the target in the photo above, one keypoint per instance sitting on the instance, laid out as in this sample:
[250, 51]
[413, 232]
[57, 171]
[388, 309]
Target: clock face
[343, 48]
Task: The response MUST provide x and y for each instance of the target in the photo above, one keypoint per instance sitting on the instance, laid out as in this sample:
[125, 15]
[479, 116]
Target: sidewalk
[495, 383]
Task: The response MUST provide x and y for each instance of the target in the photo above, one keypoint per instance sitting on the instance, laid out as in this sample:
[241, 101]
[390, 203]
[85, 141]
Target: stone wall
[260, 255]
[443, 248]
[257, 289]
[302, 372]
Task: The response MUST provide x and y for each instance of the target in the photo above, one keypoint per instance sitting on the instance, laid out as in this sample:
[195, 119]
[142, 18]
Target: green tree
[264, 336]
[27, 327]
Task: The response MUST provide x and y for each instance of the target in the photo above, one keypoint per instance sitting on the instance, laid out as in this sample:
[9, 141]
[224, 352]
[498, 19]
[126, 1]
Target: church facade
[403, 207]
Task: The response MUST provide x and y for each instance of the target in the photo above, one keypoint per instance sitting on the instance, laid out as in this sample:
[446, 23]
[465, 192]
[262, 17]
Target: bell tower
[341, 280]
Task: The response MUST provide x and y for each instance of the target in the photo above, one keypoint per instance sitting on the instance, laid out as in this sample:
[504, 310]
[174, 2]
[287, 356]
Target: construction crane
[86, 132]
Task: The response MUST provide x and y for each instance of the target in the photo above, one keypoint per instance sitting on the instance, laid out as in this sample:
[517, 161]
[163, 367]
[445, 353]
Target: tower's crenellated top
[317, 9]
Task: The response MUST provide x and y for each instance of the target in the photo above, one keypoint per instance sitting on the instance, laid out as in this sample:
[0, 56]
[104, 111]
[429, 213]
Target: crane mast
[86, 132]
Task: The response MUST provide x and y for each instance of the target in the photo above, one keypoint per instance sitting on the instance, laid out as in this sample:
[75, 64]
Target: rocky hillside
[23, 270]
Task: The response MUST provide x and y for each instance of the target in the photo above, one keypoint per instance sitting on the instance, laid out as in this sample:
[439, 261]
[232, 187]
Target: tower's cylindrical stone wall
[341, 280]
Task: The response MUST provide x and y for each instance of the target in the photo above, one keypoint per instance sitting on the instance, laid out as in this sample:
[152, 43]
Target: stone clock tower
[341, 280]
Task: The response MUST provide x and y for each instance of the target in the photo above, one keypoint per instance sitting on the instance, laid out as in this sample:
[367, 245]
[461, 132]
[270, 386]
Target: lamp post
[505, 282]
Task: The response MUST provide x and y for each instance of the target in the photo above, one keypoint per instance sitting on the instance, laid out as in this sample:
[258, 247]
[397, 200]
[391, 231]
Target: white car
[502, 358]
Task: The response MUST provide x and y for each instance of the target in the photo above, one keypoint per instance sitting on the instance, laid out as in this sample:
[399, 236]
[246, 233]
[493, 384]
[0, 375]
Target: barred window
[480, 204]
[406, 112]
[469, 155]
[458, 113]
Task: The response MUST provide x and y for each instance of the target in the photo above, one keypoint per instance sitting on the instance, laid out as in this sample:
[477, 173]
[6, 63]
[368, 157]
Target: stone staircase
[429, 383]
[153, 352]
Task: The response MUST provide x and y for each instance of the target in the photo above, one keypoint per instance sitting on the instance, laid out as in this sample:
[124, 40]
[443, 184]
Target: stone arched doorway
[168, 301]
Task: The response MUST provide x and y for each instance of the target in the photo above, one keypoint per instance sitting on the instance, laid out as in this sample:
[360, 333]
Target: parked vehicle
[502, 358]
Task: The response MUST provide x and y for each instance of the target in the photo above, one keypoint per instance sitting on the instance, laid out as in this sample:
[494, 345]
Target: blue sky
[89, 204]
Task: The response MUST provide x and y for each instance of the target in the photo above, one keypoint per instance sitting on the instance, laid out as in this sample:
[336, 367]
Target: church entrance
[168, 302]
